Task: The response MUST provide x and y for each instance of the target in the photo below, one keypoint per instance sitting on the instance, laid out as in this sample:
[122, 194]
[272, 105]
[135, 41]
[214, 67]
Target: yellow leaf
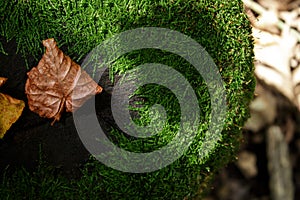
[10, 110]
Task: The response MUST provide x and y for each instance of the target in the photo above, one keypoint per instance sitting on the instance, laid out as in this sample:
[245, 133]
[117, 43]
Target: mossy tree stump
[220, 26]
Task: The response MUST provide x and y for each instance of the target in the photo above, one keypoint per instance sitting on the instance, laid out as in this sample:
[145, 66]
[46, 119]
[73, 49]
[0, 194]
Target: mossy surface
[220, 26]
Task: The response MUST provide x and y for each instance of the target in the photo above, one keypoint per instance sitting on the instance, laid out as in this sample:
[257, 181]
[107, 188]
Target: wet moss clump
[220, 26]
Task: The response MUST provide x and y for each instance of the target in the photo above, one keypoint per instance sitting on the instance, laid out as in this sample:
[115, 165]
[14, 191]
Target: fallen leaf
[273, 54]
[276, 4]
[2, 81]
[58, 83]
[263, 110]
[10, 110]
[247, 164]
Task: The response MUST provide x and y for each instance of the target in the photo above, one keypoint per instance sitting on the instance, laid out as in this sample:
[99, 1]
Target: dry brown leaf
[247, 164]
[10, 110]
[273, 55]
[2, 81]
[263, 109]
[57, 83]
[278, 4]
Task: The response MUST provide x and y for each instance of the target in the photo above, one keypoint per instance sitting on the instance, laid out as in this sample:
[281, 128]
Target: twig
[260, 10]
[281, 184]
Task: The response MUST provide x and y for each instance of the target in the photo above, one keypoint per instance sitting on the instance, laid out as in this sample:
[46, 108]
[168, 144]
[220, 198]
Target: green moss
[220, 26]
